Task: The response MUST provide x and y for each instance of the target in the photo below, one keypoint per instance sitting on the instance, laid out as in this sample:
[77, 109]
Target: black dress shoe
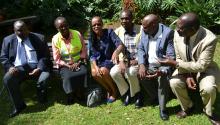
[214, 119]
[42, 96]
[127, 100]
[70, 99]
[139, 103]
[164, 115]
[15, 111]
[139, 100]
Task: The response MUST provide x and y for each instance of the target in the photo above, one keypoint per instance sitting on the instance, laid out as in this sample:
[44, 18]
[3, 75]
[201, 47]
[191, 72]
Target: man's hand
[191, 83]
[142, 72]
[122, 67]
[133, 62]
[13, 71]
[167, 61]
[155, 75]
[35, 72]
[115, 57]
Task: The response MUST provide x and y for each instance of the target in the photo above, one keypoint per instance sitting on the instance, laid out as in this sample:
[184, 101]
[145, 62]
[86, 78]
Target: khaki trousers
[131, 77]
[207, 88]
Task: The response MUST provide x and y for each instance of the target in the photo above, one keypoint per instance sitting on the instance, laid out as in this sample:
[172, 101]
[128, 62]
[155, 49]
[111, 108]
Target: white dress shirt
[26, 54]
[152, 56]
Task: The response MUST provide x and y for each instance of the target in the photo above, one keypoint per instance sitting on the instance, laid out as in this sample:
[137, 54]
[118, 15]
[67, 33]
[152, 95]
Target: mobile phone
[77, 69]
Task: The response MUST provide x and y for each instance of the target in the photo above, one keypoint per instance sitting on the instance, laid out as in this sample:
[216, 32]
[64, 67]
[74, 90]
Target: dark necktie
[188, 55]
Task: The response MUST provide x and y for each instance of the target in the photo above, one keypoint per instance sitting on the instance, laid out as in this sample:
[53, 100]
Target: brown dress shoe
[183, 114]
[214, 119]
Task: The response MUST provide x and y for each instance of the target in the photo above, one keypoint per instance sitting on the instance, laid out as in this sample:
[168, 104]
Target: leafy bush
[77, 12]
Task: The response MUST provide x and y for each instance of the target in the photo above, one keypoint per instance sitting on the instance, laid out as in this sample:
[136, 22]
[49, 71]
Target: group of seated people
[151, 57]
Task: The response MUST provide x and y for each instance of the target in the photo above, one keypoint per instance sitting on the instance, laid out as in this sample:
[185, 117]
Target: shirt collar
[193, 38]
[133, 30]
[159, 32]
[20, 40]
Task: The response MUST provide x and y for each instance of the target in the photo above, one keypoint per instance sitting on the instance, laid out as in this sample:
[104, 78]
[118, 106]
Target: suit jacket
[164, 46]
[202, 54]
[9, 51]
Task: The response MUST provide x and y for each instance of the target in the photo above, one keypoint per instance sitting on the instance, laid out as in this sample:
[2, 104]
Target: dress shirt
[26, 54]
[152, 58]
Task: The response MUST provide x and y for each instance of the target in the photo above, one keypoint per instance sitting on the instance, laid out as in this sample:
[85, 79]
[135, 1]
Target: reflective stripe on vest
[75, 48]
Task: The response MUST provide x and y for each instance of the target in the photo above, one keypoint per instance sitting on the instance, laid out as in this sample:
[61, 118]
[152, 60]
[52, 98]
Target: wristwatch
[163, 71]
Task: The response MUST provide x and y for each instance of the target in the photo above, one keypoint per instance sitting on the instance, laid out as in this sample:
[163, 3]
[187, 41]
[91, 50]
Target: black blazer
[9, 50]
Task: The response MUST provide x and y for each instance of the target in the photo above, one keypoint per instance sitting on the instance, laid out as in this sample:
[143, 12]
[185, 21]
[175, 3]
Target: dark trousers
[12, 83]
[157, 88]
[73, 80]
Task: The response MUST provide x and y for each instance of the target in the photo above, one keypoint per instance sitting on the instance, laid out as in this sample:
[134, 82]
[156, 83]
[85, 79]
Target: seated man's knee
[7, 77]
[133, 72]
[209, 90]
[175, 83]
[44, 76]
[114, 72]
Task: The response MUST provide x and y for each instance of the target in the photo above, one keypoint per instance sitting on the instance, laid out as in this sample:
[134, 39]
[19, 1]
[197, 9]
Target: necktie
[22, 53]
[188, 54]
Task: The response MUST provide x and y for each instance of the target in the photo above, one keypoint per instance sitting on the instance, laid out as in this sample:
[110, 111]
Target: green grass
[57, 113]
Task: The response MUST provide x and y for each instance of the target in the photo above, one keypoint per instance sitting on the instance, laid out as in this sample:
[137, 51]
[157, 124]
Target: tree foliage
[170, 10]
[77, 12]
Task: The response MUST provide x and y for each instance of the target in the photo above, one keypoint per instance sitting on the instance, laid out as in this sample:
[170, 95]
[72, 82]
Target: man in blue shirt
[156, 41]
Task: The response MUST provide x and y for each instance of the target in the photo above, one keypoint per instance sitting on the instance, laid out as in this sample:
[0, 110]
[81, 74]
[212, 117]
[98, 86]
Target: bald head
[150, 24]
[59, 20]
[20, 29]
[151, 18]
[19, 23]
[190, 20]
[188, 24]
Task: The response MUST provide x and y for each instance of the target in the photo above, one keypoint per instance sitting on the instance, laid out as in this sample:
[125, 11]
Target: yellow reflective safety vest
[75, 47]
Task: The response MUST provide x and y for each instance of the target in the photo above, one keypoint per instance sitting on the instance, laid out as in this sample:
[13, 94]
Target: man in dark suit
[156, 41]
[24, 55]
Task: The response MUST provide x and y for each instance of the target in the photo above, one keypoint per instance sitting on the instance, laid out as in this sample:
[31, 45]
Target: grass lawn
[55, 112]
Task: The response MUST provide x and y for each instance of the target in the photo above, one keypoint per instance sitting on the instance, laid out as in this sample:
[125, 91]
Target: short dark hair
[129, 12]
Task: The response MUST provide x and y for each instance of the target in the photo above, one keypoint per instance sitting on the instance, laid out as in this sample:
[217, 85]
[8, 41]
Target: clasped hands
[75, 66]
[14, 71]
[143, 73]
